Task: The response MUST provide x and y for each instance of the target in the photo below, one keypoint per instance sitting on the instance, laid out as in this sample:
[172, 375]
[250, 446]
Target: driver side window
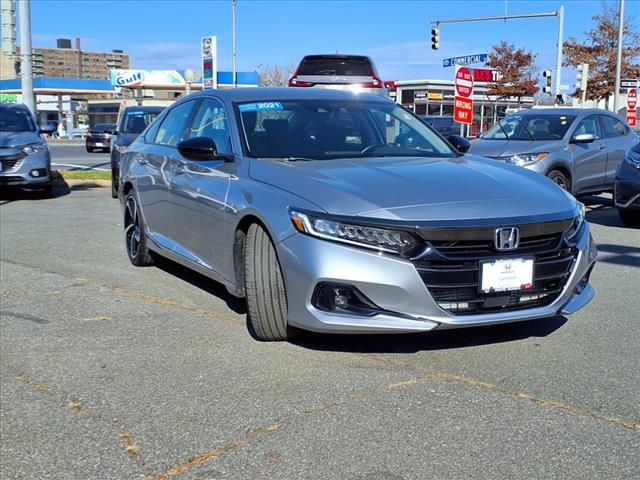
[211, 121]
[588, 125]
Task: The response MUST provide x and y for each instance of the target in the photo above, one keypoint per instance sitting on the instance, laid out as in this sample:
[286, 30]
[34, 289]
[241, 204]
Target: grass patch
[85, 175]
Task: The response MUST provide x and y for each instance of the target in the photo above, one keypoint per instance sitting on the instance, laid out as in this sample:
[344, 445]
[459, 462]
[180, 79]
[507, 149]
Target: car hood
[507, 148]
[467, 190]
[11, 139]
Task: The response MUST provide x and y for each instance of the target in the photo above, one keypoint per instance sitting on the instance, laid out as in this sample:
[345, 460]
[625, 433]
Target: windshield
[16, 120]
[328, 129]
[530, 127]
[103, 127]
[135, 121]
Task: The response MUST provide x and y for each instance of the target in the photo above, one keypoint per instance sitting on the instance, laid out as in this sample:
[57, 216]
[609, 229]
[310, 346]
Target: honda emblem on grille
[507, 238]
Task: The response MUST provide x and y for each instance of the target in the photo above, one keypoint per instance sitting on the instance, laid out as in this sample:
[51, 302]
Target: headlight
[381, 239]
[34, 148]
[633, 158]
[578, 222]
[120, 148]
[526, 158]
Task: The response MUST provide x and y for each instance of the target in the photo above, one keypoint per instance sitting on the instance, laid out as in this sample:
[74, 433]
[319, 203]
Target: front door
[198, 190]
[589, 159]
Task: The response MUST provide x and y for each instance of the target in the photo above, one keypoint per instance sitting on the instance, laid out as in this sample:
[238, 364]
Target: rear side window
[173, 126]
[348, 66]
[612, 127]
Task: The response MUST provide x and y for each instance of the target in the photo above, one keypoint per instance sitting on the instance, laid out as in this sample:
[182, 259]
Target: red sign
[463, 82]
[632, 99]
[632, 119]
[463, 110]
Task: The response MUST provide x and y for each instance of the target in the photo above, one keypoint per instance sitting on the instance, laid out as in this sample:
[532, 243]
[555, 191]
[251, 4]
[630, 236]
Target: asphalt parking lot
[109, 371]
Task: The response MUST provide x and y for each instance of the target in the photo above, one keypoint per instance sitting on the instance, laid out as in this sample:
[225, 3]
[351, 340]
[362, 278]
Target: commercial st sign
[463, 101]
[465, 60]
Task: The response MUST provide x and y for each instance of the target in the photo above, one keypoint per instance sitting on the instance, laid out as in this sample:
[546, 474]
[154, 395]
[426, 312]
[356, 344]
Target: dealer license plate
[99, 144]
[506, 274]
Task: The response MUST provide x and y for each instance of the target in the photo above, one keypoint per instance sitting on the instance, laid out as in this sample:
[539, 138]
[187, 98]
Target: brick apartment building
[68, 62]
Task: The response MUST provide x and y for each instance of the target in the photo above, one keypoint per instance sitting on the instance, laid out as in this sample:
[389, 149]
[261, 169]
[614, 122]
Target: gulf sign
[141, 78]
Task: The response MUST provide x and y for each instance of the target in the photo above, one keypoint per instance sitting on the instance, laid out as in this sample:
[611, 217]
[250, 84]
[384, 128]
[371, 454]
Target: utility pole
[233, 42]
[616, 91]
[26, 55]
[559, 14]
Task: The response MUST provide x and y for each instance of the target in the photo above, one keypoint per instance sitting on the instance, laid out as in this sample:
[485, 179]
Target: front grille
[451, 273]
[11, 162]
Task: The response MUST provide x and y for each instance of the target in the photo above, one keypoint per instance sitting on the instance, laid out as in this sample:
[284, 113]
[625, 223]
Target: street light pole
[559, 52]
[233, 42]
[616, 92]
[26, 55]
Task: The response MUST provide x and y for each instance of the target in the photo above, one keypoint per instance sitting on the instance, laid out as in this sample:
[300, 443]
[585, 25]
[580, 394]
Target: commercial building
[435, 97]
[67, 62]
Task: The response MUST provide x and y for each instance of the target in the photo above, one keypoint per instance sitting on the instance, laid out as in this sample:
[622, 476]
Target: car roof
[270, 94]
[13, 106]
[145, 108]
[562, 111]
[335, 56]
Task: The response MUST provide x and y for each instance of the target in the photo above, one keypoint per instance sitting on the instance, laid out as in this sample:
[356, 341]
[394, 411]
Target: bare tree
[275, 75]
[517, 71]
[599, 51]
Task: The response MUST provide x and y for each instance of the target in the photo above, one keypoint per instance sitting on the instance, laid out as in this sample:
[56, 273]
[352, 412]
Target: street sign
[629, 83]
[463, 110]
[632, 99]
[463, 82]
[465, 60]
[632, 118]
[209, 62]
[463, 102]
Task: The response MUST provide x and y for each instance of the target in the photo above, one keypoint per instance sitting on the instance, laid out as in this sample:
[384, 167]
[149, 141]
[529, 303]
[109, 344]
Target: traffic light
[547, 87]
[582, 76]
[435, 38]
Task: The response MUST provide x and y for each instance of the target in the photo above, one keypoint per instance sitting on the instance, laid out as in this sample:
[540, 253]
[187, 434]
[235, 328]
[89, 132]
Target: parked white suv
[339, 72]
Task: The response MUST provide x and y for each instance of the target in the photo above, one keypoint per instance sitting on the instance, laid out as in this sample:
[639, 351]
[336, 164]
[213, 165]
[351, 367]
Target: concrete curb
[74, 184]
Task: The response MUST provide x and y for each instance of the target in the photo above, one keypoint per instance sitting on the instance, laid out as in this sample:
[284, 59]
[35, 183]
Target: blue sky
[165, 34]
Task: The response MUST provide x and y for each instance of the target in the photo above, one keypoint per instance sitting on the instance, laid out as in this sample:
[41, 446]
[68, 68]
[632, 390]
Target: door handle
[179, 169]
[602, 146]
[141, 159]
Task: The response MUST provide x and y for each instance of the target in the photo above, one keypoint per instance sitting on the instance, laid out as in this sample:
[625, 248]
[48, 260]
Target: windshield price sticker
[263, 106]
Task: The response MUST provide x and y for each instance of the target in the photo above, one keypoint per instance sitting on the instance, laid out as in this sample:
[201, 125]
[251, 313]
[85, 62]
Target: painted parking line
[80, 167]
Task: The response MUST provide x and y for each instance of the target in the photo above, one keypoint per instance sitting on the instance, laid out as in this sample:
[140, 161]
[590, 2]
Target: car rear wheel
[134, 233]
[559, 179]
[264, 287]
[89, 149]
[629, 217]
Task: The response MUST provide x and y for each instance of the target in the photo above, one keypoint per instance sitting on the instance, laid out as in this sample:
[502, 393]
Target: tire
[134, 233]
[114, 187]
[559, 179]
[264, 288]
[629, 217]
[89, 149]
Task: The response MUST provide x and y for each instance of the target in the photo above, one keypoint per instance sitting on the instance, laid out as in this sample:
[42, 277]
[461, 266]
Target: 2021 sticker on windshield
[261, 106]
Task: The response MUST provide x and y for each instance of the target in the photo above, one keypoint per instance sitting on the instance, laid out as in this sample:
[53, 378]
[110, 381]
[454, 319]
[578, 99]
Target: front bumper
[19, 170]
[394, 284]
[98, 142]
[627, 187]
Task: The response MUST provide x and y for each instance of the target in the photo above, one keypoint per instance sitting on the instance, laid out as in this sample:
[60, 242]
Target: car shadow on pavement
[200, 281]
[601, 211]
[619, 254]
[428, 341]
[12, 194]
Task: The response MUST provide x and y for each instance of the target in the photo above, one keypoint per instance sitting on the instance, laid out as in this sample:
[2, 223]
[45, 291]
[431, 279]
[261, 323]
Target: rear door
[153, 172]
[617, 136]
[589, 159]
[198, 191]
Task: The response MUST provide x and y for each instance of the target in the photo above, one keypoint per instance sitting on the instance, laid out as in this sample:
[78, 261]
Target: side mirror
[461, 144]
[583, 138]
[198, 148]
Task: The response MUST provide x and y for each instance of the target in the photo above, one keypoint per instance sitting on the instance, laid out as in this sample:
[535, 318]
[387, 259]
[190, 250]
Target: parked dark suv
[99, 137]
[132, 122]
[443, 125]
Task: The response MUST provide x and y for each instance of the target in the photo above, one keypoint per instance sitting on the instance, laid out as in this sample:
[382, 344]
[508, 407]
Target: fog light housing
[340, 298]
[38, 172]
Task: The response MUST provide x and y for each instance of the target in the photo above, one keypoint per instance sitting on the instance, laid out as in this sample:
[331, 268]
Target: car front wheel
[559, 179]
[629, 217]
[264, 287]
[134, 233]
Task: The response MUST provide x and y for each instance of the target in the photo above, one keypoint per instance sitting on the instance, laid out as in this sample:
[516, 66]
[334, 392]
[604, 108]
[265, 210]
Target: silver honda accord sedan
[333, 211]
